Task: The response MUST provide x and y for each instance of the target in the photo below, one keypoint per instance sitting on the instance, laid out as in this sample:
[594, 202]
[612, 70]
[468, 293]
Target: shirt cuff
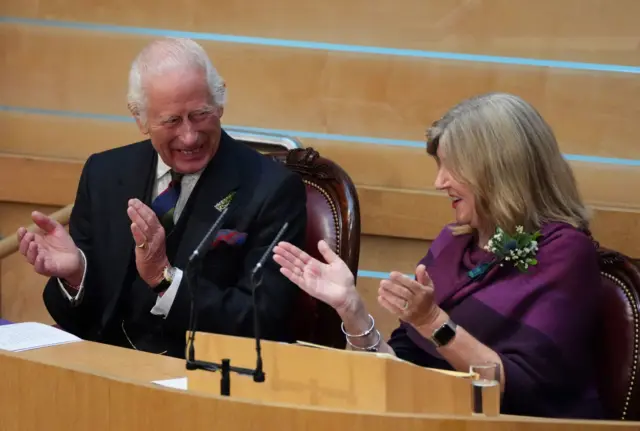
[164, 302]
[77, 298]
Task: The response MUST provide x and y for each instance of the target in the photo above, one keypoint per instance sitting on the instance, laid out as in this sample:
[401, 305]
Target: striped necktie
[164, 205]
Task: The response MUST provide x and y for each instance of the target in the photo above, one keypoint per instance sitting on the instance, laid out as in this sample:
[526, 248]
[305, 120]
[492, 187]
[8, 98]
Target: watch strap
[167, 279]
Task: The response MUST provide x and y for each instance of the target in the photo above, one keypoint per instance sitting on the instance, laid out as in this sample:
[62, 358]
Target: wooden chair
[333, 214]
[619, 349]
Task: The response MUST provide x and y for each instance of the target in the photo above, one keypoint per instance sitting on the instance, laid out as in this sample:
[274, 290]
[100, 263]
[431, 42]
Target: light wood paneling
[143, 366]
[576, 30]
[386, 322]
[39, 181]
[310, 90]
[371, 165]
[21, 294]
[122, 400]
[384, 211]
[385, 254]
[62, 137]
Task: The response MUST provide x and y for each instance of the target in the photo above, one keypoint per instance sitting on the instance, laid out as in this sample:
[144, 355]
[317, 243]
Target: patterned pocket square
[231, 237]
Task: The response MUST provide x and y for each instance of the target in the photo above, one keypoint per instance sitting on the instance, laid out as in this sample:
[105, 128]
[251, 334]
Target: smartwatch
[444, 334]
[167, 278]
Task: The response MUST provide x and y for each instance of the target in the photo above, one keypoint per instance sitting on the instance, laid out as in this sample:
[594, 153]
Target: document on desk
[179, 383]
[18, 337]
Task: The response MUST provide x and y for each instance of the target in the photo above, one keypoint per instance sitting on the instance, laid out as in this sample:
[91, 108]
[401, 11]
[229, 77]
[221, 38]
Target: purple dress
[541, 322]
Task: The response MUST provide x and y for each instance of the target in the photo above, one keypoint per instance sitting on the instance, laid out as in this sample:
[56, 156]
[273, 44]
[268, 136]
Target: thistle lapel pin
[224, 203]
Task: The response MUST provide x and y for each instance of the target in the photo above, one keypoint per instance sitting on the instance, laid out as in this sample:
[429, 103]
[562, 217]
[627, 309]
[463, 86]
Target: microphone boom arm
[193, 269]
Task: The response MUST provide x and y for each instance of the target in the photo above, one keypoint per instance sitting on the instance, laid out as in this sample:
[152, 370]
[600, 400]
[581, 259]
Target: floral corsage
[519, 250]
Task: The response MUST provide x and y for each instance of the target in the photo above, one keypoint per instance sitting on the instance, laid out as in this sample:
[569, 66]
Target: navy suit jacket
[267, 195]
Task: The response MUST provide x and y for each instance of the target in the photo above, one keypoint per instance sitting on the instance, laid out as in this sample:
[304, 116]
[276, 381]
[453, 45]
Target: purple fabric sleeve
[541, 323]
[550, 358]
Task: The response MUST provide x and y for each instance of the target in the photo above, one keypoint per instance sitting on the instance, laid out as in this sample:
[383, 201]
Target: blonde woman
[513, 281]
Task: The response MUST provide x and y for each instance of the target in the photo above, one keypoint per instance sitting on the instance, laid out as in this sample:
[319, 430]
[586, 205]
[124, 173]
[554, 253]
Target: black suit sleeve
[229, 309]
[77, 319]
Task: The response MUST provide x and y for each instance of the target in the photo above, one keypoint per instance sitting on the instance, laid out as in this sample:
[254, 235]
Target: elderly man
[142, 209]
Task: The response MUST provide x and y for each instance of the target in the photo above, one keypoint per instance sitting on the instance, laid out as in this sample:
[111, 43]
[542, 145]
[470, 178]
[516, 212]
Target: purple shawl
[541, 322]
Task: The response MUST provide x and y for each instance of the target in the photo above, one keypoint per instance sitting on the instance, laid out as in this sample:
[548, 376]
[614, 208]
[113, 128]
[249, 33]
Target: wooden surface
[88, 386]
[21, 294]
[370, 165]
[384, 211]
[333, 378]
[571, 30]
[388, 96]
[109, 360]
[325, 92]
[389, 212]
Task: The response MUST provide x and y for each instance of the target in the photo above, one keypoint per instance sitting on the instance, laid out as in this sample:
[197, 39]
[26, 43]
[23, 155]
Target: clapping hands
[51, 251]
[333, 283]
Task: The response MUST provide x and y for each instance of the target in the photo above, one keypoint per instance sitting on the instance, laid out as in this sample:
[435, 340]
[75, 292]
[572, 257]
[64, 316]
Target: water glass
[486, 388]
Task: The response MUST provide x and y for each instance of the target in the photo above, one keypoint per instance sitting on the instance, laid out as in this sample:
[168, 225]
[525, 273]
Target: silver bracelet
[373, 348]
[364, 334]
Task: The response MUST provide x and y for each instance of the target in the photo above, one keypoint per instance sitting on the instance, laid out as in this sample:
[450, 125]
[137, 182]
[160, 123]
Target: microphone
[258, 375]
[265, 256]
[193, 268]
[192, 273]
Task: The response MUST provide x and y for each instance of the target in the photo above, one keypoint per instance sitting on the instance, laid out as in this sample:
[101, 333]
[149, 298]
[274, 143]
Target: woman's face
[462, 199]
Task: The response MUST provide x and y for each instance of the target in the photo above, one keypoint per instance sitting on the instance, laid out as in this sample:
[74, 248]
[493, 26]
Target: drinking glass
[486, 388]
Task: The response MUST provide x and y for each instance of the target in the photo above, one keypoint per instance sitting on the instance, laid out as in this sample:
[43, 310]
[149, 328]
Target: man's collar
[162, 168]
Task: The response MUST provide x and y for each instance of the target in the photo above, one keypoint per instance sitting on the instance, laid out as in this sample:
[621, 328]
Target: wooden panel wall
[322, 91]
[358, 81]
[21, 293]
[568, 30]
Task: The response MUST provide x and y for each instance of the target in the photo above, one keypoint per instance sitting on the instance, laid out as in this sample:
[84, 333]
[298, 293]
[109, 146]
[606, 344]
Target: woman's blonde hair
[502, 148]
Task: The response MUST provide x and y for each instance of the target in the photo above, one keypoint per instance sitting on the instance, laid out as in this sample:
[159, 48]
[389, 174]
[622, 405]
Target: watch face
[444, 334]
[169, 273]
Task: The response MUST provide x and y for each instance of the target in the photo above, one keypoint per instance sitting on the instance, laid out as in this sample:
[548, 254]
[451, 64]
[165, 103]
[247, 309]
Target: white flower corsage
[519, 250]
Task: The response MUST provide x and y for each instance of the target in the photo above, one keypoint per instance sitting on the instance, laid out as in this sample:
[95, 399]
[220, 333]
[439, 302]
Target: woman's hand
[331, 282]
[411, 300]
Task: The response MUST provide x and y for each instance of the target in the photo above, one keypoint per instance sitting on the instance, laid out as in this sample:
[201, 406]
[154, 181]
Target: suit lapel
[218, 180]
[134, 179]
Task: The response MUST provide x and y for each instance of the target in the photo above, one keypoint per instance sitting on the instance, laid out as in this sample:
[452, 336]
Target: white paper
[179, 383]
[18, 337]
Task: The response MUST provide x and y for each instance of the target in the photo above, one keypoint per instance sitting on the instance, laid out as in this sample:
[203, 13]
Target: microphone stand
[224, 366]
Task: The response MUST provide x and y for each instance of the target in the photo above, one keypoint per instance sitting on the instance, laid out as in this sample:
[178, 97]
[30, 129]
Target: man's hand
[52, 252]
[149, 236]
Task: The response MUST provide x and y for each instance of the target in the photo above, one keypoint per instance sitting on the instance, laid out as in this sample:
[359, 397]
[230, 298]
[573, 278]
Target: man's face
[182, 120]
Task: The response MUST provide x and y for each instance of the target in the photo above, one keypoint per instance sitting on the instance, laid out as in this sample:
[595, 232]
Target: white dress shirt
[163, 179]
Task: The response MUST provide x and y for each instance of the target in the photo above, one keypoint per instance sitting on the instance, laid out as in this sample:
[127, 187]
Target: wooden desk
[87, 385]
[109, 361]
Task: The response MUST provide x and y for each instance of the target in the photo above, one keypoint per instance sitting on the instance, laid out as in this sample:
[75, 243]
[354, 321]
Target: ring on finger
[405, 306]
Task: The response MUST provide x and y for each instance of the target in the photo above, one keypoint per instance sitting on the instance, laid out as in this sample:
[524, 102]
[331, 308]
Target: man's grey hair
[170, 54]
